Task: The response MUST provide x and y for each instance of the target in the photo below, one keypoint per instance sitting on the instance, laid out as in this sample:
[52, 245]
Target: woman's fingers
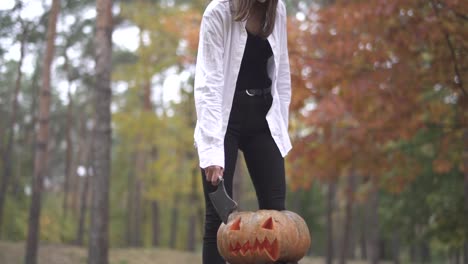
[213, 173]
[214, 180]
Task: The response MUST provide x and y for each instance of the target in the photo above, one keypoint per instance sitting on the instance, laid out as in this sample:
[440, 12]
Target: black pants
[248, 131]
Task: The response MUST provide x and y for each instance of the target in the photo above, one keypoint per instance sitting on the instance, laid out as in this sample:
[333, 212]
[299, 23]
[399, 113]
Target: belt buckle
[248, 93]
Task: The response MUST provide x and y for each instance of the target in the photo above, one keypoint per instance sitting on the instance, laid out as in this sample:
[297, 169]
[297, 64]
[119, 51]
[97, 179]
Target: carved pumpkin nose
[236, 225]
[268, 224]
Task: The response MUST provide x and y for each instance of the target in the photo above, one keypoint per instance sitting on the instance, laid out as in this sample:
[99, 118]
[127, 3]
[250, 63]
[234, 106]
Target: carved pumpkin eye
[268, 224]
[236, 224]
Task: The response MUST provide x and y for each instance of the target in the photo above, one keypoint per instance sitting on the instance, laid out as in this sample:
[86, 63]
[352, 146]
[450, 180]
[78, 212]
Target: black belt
[256, 92]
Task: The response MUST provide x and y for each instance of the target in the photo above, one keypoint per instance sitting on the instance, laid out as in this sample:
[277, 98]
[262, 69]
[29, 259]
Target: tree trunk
[83, 208]
[8, 153]
[201, 216]
[42, 139]
[155, 224]
[382, 249]
[353, 236]
[457, 256]
[348, 216]
[137, 221]
[174, 221]
[363, 229]
[99, 236]
[412, 253]
[465, 253]
[330, 206]
[466, 168]
[374, 238]
[425, 253]
[85, 158]
[396, 248]
[191, 236]
[82, 154]
[130, 214]
[69, 144]
[134, 203]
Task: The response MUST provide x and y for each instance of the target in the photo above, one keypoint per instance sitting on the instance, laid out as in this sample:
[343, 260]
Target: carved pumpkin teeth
[271, 249]
[245, 248]
[257, 245]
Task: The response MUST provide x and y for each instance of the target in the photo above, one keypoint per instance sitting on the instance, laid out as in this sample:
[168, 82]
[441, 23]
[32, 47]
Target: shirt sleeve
[208, 90]
[284, 73]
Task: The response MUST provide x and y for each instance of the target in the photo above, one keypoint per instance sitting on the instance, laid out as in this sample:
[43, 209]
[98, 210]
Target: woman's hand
[213, 173]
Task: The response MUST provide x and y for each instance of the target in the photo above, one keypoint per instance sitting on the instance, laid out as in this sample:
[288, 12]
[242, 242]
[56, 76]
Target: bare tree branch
[459, 80]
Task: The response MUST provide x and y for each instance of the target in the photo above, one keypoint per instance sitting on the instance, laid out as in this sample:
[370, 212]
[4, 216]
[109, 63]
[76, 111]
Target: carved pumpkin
[263, 237]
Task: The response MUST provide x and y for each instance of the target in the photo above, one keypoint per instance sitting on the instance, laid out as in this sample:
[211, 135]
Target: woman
[242, 95]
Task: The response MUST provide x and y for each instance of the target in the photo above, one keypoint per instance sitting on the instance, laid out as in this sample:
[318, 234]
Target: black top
[253, 72]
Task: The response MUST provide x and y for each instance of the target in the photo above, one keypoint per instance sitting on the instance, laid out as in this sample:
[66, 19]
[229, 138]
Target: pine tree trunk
[330, 207]
[83, 209]
[425, 253]
[99, 236]
[8, 153]
[82, 154]
[412, 253]
[174, 221]
[86, 158]
[201, 216]
[130, 214]
[31, 134]
[374, 238]
[155, 224]
[138, 223]
[465, 253]
[191, 236]
[134, 203]
[2, 135]
[382, 249]
[465, 154]
[353, 236]
[348, 217]
[363, 230]
[69, 145]
[42, 139]
[396, 248]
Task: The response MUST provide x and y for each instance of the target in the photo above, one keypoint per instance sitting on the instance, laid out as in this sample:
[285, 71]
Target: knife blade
[223, 204]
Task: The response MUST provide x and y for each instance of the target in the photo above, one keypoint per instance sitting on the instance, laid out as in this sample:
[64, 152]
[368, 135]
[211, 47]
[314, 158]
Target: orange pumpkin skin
[263, 237]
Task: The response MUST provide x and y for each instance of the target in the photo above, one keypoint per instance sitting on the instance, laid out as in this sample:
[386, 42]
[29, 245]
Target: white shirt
[220, 50]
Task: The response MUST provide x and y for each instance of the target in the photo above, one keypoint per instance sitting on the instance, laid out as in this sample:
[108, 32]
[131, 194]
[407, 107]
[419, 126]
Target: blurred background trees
[379, 122]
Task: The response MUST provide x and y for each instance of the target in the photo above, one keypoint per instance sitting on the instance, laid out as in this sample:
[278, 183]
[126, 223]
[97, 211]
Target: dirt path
[12, 253]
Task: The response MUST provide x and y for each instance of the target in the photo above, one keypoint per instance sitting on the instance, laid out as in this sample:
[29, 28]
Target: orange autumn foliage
[367, 74]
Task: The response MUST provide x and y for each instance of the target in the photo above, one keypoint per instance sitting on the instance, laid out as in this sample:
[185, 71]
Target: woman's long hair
[241, 10]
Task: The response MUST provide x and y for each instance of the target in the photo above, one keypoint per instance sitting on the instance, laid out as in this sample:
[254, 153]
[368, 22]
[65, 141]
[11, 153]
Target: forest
[97, 116]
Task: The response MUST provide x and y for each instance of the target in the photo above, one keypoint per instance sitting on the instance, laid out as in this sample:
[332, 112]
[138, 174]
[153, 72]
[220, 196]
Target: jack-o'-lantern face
[262, 240]
[264, 236]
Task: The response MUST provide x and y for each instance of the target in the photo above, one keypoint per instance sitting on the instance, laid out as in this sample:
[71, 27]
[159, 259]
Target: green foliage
[310, 204]
[15, 220]
[431, 207]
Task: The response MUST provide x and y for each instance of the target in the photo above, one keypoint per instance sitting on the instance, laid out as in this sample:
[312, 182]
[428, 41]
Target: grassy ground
[12, 253]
